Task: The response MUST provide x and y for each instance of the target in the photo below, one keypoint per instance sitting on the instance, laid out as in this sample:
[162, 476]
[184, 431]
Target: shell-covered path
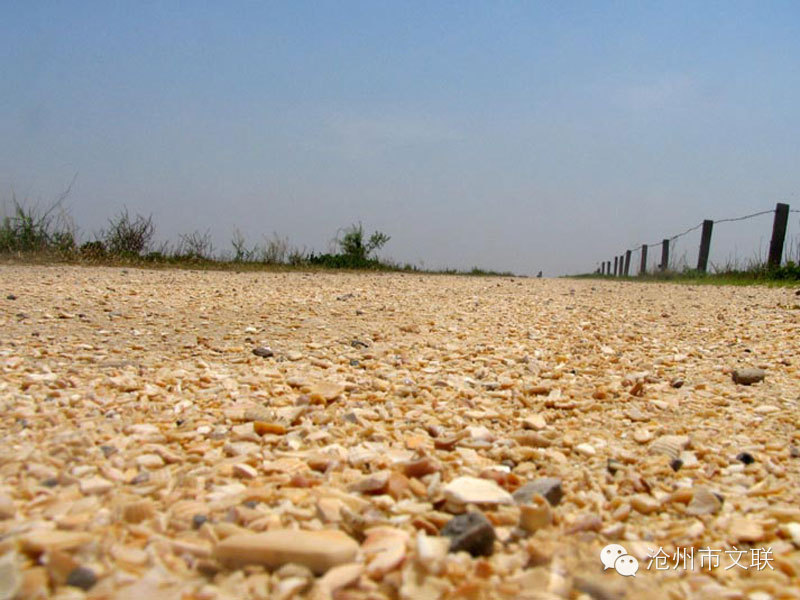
[194, 434]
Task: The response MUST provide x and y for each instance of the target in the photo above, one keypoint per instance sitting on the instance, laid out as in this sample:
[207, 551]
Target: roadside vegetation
[753, 273]
[32, 234]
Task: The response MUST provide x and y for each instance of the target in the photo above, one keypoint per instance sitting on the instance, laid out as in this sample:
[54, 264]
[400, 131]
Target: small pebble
[82, 577]
[198, 520]
[748, 376]
[263, 352]
[471, 532]
[746, 458]
[547, 487]
[107, 450]
[11, 297]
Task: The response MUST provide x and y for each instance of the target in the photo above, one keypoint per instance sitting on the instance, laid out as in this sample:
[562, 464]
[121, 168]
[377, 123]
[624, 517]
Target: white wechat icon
[626, 566]
[616, 557]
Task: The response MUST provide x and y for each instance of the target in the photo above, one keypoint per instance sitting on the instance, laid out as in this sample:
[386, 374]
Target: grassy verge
[219, 264]
[785, 275]
[30, 235]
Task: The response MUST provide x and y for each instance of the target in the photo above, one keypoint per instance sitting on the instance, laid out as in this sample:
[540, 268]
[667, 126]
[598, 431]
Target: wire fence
[622, 262]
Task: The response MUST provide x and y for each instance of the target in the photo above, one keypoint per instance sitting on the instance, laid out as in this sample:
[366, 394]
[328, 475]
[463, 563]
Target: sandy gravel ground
[394, 436]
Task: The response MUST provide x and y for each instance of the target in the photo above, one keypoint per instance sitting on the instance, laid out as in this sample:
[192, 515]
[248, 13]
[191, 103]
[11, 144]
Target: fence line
[622, 261]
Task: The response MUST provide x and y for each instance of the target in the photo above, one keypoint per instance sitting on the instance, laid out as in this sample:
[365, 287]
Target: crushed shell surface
[147, 447]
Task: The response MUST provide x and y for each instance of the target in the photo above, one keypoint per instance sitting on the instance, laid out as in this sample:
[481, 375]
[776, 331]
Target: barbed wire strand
[758, 214]
[699, 225]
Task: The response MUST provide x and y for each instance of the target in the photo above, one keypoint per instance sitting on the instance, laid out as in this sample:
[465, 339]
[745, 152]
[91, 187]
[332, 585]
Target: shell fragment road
[148, 452]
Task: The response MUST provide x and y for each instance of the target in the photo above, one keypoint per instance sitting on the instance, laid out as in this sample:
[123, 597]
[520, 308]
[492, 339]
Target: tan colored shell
[186, 509]
[10, 578]
[138, 510]
[670, 445]
[703, 502]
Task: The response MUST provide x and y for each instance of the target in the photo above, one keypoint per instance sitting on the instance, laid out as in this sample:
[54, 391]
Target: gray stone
[471, 532]
[107, 450]
[263, 352]
[198, 520]
[82, 577]
[748, 376]
[549, 487]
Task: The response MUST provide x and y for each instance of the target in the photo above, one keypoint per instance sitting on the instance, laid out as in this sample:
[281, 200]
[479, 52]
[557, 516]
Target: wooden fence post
[643, 264]
[778, 235]
[705, 246]
[603, 268]
[627, 262]
[621, 263]
[664, 255]
[616, 258]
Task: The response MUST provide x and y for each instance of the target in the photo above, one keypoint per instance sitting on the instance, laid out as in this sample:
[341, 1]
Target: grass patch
[31, 235]
[787, 274]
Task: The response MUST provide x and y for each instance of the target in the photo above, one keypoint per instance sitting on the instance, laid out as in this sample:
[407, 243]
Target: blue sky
[510, 135]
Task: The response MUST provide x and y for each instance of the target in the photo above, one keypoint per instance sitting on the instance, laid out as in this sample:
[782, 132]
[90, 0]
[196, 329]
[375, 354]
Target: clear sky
[510, 135]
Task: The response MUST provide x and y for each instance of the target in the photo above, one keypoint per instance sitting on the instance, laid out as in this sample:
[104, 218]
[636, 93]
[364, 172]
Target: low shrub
[129, 237]
[95, 250]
